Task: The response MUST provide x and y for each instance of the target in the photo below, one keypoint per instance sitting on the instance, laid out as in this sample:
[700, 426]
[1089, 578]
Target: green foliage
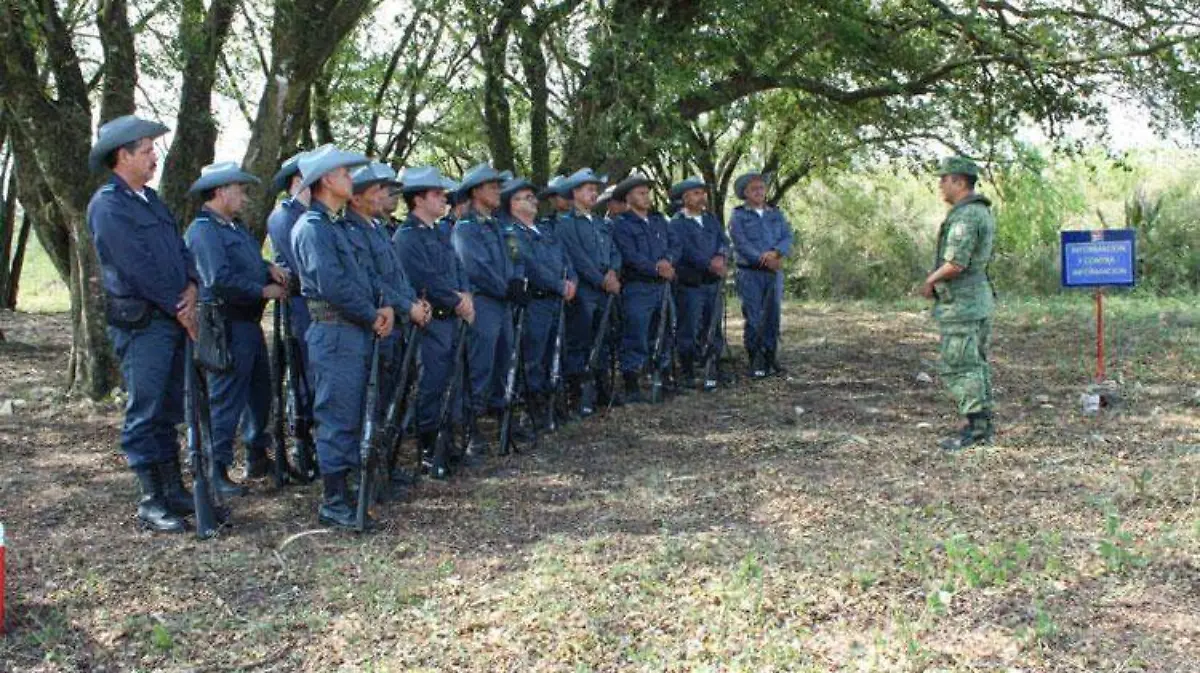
[1118, 547]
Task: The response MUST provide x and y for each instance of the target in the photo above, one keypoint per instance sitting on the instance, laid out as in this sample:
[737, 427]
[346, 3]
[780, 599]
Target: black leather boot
[773, 366]
[977, 432]
[335, 507]
[431, 463]
[633, 389]
[152, 511]
[223, 486]
[177, 498]
[687, 374]
[258, 465]
[758, 365]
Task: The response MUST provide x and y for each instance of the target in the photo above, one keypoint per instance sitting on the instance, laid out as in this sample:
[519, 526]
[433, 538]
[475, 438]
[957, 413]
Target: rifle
[587, 391]
[279, 467]
[556, 377]
[712, 354]
[664, 314]
[209, 512]
[438, 468]
[393, 425]
[368, 455]
[510, 384]
[299, 400]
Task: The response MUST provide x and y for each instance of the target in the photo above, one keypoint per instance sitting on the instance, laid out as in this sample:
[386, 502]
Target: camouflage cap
[958, 166]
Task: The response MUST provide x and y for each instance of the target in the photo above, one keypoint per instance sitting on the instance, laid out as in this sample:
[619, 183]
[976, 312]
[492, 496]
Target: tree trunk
[13, 282]
[202, 36]
[533, 64]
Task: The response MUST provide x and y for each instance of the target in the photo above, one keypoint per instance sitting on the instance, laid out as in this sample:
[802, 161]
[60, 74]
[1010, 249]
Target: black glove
[517, 292]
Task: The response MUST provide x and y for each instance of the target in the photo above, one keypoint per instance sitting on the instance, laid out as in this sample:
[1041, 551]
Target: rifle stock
[209, 514]
[556, 377]
[393, 428]
[712, 354]
[664, 311]
[368, 456]
[510, 384]
[587, 390]
[279, 466]
[298, 401]
[438, 468]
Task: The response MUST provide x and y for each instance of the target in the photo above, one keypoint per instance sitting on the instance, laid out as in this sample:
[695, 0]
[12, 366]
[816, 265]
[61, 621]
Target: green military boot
[977, 432]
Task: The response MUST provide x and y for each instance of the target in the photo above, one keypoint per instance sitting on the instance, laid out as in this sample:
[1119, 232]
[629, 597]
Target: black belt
[323, 311]
[753, 267]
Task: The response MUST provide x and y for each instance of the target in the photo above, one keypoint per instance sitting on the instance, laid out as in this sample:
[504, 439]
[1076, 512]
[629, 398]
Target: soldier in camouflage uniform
[964, 299]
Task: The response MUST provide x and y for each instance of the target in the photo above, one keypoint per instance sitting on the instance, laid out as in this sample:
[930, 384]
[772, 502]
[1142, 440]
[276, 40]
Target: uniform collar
[216, 217]
[417, 223]
[124, 188]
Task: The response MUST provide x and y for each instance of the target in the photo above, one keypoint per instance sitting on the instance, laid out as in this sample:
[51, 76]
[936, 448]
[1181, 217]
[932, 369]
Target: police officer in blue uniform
[372, 245]
[279, 230]
[151, 287]
[703, 248]
[435, 273]
[456, 203]
[343, 304]
[762, 238]
[594, 256]
[559, 202]
[551, 280]
[647, 263]
[495, 276]
[234, 276]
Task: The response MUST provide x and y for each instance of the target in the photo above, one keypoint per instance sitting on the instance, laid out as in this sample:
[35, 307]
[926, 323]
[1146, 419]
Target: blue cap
[743, 181]
[219, 175]
[480, 174]
[374, 173]
[326, 158]
[694, 182]
[118, 132]
[283, 177]
[514, 185]
[582, 177]
[422, 178]
[625, 186]
[554, 188]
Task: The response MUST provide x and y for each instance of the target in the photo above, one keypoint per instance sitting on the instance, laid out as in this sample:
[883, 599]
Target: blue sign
[1103, 257]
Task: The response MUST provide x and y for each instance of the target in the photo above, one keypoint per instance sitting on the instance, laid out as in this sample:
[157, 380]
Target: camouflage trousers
[964, 367]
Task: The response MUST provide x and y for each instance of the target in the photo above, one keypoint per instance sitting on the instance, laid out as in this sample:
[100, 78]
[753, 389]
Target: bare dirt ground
[799, 524]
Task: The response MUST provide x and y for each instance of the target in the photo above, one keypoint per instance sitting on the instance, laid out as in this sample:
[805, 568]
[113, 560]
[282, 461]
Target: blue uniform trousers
[762, 294]
[583, 317]
[642, 303]
[243, 394]
[696, 306]
[339, 354]
[491, 338]
[537, 343]
[434, 366]
[152, 366]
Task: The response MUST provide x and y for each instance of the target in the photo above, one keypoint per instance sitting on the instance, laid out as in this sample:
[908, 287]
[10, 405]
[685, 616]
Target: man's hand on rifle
[385, 319]
[665, 270]
[612, 284]
[465, 308]
[185, 311]
[717, 265]
[420, 313]
[273, 291]
[278, 274]
[569, 290]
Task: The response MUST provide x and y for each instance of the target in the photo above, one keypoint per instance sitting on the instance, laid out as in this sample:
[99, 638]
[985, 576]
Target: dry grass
[723, 532]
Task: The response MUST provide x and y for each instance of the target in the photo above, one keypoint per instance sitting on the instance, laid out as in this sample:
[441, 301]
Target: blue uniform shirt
[329, 267]
[754, 234]
[589, 243]
[375, 251]
[485, 254]
[140, 251]
[698, 242]
[430, 263]
[279, 229]
[228, 259]
[643, 243]
[542, 255]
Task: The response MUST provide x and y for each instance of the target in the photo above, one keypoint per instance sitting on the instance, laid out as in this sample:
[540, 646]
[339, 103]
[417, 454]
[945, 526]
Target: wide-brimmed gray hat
[221, 174]
[423, 178]
[605, 196]
[554, 188]
[514, 185]
[693, 182]
[743, 181]
[480, 174]
[582, 177]
[326, 158]
[374, 173]
[283, 177]
[118, 132]
[621, 191]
